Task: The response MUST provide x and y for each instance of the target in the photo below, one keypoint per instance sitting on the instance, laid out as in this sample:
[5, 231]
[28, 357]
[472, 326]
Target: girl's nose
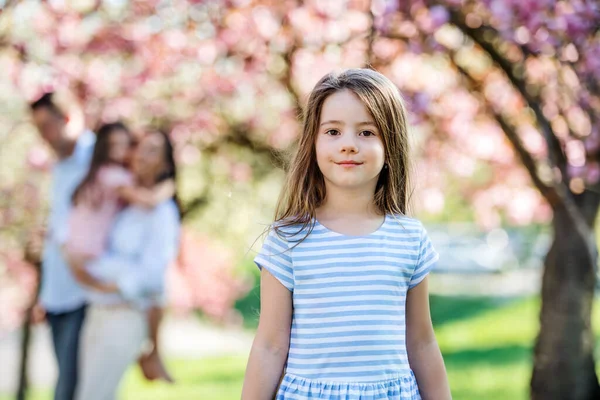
[348, 143]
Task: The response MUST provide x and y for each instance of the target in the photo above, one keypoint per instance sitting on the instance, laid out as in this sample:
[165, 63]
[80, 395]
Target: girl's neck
[146, 181]
[348, 203]
[350, 213]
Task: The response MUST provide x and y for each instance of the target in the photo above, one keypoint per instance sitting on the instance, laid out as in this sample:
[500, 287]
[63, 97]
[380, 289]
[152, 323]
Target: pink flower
[38, 158]
[203, 278]
[592, 174]
[439, 16]
[241, 172]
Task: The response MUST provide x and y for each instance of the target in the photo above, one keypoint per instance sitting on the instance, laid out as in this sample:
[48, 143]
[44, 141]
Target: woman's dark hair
[100, 158]
[171, 166]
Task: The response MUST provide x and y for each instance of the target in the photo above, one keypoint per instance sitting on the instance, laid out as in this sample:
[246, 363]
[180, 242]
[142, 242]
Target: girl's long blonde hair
[304, 190]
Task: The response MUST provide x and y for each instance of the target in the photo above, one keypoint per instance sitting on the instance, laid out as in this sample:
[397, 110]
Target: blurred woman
[131, 273]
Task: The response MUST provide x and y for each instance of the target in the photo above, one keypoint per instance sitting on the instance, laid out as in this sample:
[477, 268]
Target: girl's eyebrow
[334, 121]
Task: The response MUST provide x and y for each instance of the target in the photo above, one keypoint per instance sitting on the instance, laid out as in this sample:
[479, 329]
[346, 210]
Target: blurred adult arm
[145, 276]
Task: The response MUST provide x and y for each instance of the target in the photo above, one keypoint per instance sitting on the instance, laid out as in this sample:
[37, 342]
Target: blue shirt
[348, 333]
[142, 244]
[59, 291]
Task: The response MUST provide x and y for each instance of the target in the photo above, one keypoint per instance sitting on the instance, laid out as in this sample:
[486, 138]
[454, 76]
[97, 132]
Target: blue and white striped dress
[349, 294]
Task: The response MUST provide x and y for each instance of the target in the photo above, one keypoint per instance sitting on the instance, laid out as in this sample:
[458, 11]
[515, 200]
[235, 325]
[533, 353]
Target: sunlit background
[494, 88]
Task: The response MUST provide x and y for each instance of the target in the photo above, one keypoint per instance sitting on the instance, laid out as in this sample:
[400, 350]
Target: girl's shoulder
[290, 230]
[403, 221]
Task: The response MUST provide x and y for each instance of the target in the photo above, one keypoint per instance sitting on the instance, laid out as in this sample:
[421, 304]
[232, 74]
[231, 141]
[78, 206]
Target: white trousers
[112, 339]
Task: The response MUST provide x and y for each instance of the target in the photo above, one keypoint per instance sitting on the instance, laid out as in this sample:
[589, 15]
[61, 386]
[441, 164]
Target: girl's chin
[351, 184]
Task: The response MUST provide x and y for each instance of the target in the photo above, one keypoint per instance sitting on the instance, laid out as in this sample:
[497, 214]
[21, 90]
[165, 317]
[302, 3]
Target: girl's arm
[149, 198]
[272, 341]
[424, 353]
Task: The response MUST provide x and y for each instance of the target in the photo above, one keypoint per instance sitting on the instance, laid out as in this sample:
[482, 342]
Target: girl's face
[119, 143]
[350, 151]
[149, 157]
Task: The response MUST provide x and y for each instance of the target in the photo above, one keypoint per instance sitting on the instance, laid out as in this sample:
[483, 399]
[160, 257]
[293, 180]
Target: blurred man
[60, 125]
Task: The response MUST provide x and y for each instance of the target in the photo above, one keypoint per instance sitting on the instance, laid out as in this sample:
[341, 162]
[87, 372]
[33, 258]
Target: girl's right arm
[271, 344]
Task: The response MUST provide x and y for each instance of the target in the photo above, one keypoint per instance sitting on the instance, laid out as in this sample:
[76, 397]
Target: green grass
[211, 378]
[208, 379]
[488, 353]
[486, 343]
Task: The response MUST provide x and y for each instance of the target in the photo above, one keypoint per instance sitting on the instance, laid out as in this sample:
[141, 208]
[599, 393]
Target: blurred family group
[112, 231]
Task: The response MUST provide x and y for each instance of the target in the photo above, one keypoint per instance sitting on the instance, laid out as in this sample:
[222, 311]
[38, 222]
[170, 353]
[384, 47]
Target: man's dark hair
[46, 102]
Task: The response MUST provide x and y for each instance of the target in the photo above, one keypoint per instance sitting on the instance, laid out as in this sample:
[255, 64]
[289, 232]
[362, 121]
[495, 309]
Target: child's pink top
[90, 225]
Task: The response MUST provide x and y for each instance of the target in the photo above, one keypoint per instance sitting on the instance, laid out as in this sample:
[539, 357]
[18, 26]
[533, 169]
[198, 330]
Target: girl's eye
[367, 133]
[332, 132]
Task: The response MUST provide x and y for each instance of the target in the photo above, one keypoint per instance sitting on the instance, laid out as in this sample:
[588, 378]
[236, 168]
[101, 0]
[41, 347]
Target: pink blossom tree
[527, 71]
[504, 94]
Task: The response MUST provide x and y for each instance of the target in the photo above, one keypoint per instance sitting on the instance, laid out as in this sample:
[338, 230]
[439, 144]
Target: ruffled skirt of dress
[403, 387]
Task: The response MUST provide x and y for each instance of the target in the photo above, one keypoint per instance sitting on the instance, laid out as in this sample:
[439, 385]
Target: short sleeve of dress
[114, 177]
[275, 256]
[426, 260]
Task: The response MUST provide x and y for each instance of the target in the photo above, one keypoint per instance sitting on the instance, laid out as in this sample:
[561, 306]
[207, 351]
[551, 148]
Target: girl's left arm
[148, 198]
[424, 353]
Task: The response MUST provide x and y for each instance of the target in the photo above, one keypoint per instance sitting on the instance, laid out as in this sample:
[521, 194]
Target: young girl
[344, 298]
[96, 202]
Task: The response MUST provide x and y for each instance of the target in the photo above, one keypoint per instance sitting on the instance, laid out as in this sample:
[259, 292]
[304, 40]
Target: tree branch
[372, 33]
[478, 35]
[239, 136]
[557, 194]
[286, 78]
[547, 190]
[194, 205]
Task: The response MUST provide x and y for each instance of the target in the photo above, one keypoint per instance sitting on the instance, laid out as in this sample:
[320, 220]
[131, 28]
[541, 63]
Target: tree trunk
[564, 351]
